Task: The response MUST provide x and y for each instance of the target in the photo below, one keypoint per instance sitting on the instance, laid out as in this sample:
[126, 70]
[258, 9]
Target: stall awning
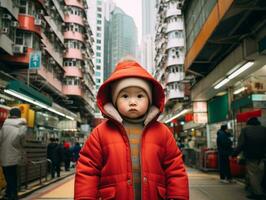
[22, 88]
[245, 116]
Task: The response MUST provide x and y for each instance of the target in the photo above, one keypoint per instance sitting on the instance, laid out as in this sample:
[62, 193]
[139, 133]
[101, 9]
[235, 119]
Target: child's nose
[132, 101]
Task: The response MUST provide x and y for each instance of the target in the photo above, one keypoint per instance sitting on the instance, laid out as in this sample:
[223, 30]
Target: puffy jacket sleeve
[176, 176]
[88, 169]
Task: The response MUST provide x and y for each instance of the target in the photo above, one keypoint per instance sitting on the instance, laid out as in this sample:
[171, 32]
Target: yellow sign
[31, 118]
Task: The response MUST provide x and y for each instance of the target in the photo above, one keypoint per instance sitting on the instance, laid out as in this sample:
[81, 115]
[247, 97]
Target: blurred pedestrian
[252, 142]
[54, 153]
[67, 155]
[75, 152]
[12, 137]
[224, 146]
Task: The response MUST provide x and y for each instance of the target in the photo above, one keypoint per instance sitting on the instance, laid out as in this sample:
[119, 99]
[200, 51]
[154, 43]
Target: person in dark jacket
[75, 152]
[252, 141]
[67, 155]
[54, 153]
[224, 145]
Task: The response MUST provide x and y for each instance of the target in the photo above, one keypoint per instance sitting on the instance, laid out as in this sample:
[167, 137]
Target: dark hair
[15, 112]
[253, 121]
[224, 127]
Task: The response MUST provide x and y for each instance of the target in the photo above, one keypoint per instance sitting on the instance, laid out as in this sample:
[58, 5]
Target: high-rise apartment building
[120, 40]
[170, 50]
[96, 20]
[54, 37]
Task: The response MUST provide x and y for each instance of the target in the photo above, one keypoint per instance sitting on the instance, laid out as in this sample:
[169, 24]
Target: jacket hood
[14, 122]
[129, 69]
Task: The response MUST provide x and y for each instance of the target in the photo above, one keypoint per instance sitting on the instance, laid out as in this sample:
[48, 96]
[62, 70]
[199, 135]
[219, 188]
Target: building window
[98, 74]
[98, 81]
[99, 15]
[98, 41]
[19, 37]
[99, 28]
[98, 67]
[98, 47]
[23, 7]
[98, 54]
[99, 9]
[99, 22]
[98, 60]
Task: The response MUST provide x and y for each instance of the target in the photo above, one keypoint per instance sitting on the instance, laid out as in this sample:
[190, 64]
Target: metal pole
[28, 77]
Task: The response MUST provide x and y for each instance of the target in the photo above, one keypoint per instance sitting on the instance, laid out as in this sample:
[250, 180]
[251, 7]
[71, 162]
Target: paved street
[203, 186]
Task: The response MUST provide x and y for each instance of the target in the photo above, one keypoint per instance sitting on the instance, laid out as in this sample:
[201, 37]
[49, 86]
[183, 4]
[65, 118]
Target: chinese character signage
[35, 60]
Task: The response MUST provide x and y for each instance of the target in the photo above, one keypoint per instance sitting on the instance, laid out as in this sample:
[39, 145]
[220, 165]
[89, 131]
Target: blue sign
[35, 60]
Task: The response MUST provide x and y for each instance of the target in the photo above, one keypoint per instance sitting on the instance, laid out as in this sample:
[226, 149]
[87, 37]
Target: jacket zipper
[128, 144]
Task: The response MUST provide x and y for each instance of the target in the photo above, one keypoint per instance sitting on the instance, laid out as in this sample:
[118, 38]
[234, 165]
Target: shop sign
[85, 129]
[258, 97]
[46, 120]
[67, 125]
[3, 114]
[200, 118]
[259, 104]
[200, 106]
[35, 60]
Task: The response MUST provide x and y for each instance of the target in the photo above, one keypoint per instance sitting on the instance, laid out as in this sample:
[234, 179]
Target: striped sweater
[134, 131]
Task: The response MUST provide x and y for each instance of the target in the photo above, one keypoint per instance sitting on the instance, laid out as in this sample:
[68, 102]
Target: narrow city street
[203, 186]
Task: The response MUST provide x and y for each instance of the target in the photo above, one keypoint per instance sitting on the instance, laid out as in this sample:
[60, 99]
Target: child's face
[132, 102]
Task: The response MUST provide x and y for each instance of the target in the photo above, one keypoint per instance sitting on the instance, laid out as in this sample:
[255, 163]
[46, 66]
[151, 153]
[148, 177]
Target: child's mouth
[133, 110]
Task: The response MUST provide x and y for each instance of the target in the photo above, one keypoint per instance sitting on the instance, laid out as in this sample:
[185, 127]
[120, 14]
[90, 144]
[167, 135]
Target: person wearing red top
[131, 155]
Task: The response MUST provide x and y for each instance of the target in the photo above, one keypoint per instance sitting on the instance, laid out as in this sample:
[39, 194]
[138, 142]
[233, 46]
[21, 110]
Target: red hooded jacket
[104, 169]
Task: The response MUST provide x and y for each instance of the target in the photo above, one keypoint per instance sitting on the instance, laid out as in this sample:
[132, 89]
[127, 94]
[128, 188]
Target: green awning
[22, 88]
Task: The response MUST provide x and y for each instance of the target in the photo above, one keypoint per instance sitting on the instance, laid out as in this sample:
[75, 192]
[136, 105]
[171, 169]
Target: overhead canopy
[20, 87]
[241, 20]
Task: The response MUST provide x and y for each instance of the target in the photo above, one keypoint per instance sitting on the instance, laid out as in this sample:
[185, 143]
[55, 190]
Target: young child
[131, 155]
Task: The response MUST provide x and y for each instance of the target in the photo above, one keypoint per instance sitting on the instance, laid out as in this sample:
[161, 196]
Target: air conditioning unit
[38, 22]
[14, 24]
[19, 49]
[51, 61]
[6, 16]
[4, 30]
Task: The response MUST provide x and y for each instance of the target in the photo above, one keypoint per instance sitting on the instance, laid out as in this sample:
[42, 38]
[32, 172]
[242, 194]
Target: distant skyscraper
[121, 38]
[96, 19]
[148, 17]
[148, 32]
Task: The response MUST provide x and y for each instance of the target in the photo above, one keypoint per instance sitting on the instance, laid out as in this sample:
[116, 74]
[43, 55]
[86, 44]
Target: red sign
[189, 117]
[243, 117]
[3, 114]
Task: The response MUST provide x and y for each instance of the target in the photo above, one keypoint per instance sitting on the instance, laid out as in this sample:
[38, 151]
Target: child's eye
[125, 96]
[140, 96]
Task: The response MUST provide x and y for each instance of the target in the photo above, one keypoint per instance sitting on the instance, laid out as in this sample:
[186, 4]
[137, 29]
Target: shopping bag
[241, 160]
